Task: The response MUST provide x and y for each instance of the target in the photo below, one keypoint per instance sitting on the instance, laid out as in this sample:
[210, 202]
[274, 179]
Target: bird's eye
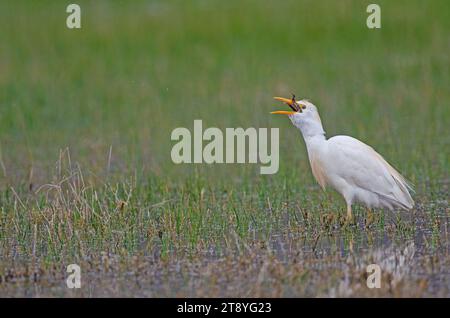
[303, 106]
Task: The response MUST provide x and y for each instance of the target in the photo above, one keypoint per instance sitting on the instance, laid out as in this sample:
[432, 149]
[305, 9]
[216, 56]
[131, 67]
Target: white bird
[352, 168]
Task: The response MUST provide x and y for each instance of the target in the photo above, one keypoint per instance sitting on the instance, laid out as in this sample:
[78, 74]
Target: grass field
[86, 175]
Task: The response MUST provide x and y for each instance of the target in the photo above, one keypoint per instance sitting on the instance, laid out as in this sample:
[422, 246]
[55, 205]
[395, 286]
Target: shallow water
[289, 264]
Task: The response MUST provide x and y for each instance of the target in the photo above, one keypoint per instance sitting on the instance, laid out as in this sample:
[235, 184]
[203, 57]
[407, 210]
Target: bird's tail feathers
[402, 196]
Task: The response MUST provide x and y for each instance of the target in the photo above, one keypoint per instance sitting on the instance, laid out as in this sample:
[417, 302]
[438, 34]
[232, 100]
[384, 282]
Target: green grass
[85, 123]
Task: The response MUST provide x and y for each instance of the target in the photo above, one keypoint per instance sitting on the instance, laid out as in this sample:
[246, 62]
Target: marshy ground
[86, 175]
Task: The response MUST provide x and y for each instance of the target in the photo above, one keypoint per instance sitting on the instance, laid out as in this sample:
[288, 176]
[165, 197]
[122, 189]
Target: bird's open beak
[290, 102]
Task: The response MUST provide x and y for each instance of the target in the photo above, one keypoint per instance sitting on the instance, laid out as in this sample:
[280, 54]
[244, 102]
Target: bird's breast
[318, 170]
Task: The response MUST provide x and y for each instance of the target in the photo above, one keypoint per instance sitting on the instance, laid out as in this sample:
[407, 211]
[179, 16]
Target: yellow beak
[283, 112]
[290, 102]
[285, 100]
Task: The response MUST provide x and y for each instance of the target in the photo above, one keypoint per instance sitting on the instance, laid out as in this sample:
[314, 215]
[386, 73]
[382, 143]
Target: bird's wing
[361, 165]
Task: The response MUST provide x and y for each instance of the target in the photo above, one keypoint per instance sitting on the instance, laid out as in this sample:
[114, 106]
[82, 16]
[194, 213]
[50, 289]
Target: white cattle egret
[352, 168]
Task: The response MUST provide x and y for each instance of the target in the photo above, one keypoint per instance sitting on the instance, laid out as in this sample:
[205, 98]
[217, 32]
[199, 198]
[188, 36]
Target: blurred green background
[137, 70]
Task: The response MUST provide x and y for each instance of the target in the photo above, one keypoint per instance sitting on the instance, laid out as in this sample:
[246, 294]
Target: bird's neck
[314, 141]
[314, 137]
[312, 130]
[316, 146]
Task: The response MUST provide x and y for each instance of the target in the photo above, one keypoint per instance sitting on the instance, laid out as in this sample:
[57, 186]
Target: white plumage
[351, 167]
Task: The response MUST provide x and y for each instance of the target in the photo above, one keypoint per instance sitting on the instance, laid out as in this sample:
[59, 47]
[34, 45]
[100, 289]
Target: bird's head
[304, 115]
